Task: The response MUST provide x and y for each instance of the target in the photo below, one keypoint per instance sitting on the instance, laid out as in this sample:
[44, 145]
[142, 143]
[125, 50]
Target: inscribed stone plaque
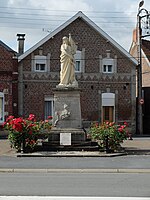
[65, 138]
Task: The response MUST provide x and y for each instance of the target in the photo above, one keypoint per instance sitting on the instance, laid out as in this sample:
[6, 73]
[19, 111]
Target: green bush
[116, 134]
[25, 131]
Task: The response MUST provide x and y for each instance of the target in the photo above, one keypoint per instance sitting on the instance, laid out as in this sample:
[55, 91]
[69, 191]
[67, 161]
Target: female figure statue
[67, 72]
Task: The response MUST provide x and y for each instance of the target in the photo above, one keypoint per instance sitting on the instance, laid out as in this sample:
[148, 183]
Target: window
[1, 107]
[107, 68]
[108, 65]
[48, 107]
[40, 64]
[78, 59]
[40, 67]
[78, 66]
[108, 107]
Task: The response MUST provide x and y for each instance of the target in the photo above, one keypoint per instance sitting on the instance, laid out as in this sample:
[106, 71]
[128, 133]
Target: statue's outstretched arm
[72, 44]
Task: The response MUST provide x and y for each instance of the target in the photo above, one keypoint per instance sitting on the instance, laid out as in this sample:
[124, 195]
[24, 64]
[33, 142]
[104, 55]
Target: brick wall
[8, 81]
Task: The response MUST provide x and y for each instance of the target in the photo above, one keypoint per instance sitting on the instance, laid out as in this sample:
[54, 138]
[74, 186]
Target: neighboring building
[145, 77]
[8, 82]
[105, 72]
[145, 57]
[146, 63]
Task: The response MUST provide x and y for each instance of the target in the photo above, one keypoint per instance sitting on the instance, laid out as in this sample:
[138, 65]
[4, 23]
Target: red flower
[125, 123]
[32, 142]
[31, 117]
[9, 118]
[111, 123]
[18, 127]
[96, 124]
[30, 132]
[31, 125]
[120, 129]
[50, 117]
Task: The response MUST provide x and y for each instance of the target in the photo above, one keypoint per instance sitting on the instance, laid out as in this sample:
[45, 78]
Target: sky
[37, 18]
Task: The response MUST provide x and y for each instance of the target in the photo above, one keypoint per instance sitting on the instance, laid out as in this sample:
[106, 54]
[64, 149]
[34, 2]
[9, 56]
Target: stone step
[47, 146]
[85, 143]
[71, 148]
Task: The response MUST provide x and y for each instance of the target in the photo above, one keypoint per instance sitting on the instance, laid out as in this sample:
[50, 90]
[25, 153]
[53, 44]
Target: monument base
[67, 124]
[67, 109]
[77, 136]
[68, 139]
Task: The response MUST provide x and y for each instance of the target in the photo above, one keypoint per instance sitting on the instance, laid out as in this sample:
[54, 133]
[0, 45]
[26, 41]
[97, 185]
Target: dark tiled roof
[146, 48]
[6, 47]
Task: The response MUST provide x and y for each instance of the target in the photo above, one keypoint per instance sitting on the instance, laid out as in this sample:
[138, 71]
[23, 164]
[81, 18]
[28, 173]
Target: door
[108, 113]
[146, 111]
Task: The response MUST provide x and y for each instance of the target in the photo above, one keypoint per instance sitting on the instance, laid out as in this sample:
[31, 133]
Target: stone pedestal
[77, 135]
[67, 115]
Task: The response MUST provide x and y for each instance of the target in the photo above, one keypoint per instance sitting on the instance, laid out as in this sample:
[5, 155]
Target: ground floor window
[48, 107]
[1, 107]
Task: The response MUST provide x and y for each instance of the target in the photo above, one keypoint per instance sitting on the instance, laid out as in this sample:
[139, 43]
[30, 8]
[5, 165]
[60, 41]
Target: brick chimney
[21, 38]
[134, 37]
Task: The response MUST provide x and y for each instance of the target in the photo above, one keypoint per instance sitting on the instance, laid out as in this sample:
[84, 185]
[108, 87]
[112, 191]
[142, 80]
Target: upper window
[107, 68]
[1, 107]
[108, 65]
[40, 64]
[77, 57]
[77, 66]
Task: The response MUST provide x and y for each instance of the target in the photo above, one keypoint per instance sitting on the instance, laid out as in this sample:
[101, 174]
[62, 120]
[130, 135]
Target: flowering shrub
[25, 131]
[115, 134]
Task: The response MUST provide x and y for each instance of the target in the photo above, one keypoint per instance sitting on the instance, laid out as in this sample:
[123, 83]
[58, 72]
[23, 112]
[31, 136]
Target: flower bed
[109, 135]
[23, 133]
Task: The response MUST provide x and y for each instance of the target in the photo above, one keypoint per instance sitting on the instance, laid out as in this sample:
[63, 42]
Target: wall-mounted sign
[141, 101]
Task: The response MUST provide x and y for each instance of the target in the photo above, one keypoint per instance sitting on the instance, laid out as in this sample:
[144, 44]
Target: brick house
[8, 82]
[104, 70]
[145, 76]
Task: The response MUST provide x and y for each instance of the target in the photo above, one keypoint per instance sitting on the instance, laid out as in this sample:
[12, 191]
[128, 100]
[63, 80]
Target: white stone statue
[67, 72]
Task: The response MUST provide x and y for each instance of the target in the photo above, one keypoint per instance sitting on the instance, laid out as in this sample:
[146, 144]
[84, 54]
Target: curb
[74, 170]
[64, 154]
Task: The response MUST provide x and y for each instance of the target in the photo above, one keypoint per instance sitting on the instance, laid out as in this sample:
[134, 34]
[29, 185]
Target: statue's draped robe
[67, 65]
[67, 73]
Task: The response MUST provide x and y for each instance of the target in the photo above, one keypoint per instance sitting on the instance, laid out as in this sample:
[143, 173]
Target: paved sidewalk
[139, 145]
[5, 148]
[136, 146]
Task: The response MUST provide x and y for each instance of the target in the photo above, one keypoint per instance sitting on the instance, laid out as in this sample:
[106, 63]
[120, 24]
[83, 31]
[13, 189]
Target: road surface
[75, 184]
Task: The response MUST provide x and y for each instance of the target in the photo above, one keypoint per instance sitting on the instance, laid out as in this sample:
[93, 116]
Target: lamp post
[141, 19]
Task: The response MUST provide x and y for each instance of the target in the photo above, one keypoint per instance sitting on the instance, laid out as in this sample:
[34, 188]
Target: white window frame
[40, 60]
[1, 108]
[78, 58]
[108, 62]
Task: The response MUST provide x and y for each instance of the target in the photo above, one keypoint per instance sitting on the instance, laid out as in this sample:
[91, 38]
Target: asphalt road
[75, 184]
[69, 198]
[123, 162]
